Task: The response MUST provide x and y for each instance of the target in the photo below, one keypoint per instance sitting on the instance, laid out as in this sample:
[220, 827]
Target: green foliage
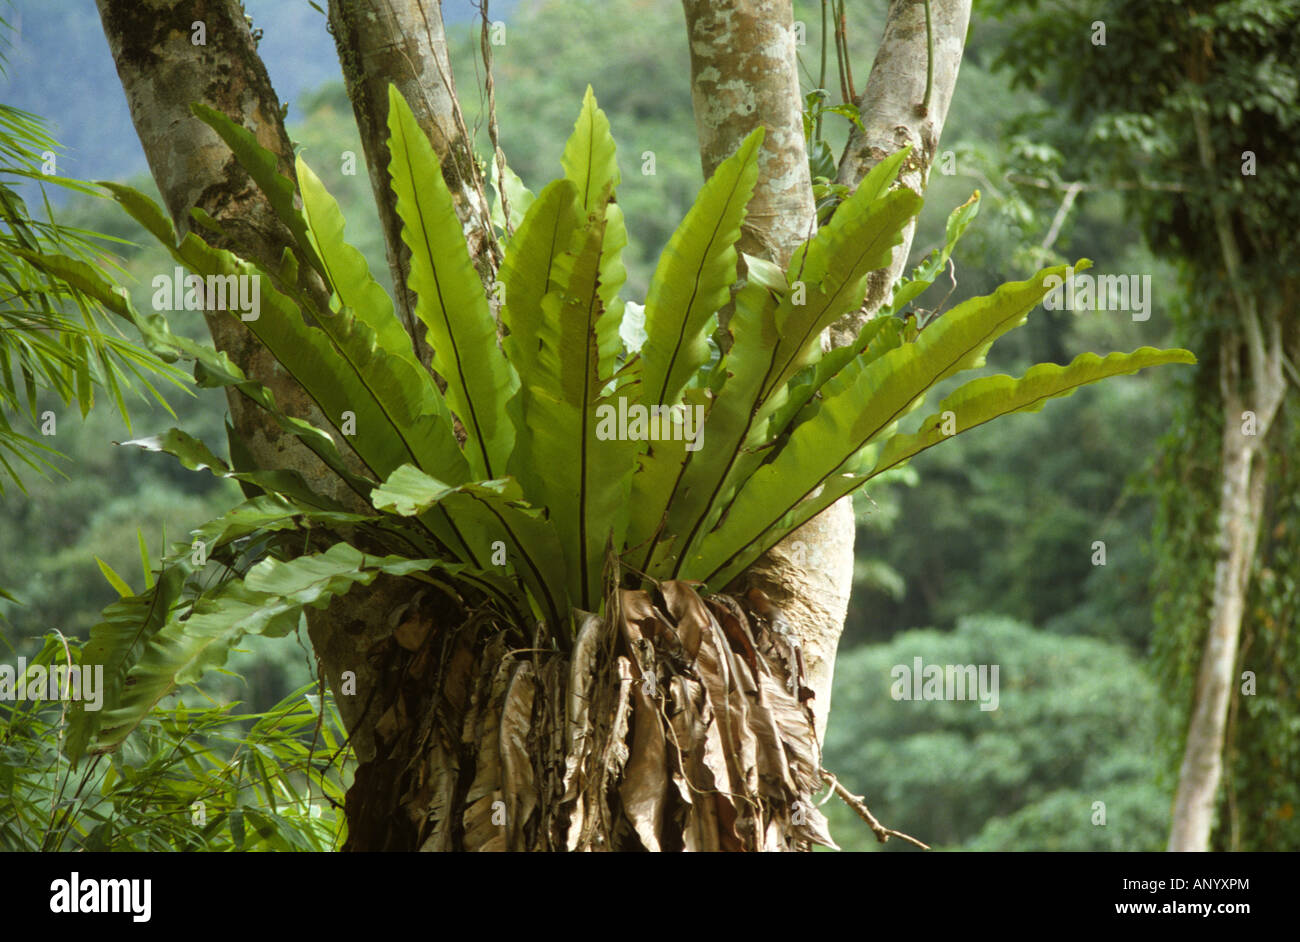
[1204, 130]
[208, 778]
[785, 429]
[1236, 63]
[1075, 724]
[55, 343]
[451, 302]
[694, 277]
[268, 600]
[633, 52]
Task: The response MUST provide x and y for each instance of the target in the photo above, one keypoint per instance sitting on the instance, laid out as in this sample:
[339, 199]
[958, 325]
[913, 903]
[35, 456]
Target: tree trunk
[403, 42]
[1262, 348]
[1241, 502]
[162, 72]
[744, 72]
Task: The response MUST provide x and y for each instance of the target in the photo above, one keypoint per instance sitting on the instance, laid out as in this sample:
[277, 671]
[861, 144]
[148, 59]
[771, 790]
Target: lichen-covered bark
[744, 73]
[403, 42]
[894, 113]
[162, 72]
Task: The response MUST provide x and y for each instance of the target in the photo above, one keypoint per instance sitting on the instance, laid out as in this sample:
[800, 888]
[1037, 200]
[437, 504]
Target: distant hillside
[59, 67]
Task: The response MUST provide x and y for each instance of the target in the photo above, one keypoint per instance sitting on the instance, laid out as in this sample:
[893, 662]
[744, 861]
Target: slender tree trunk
[164, 68]
[1243, 486]
[1261, 347]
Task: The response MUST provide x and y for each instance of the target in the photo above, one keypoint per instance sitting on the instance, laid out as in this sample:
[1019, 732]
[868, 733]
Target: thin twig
[493, 131]
[821, 77]
[1043, 184]
[929, 59]
[858, 804]
[1059, 219]
[1290, 370]
[841, 55]
[848, 62]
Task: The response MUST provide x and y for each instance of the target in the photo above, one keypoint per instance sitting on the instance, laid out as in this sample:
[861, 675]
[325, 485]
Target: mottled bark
[895, 113]
[163, 71]
[744, 73]
[403, 42]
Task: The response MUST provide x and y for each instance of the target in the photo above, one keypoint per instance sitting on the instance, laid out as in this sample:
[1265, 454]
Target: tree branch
[1058, 220]
[859, 806]
[404, 43]
[162, 72]
[1083, 187]
[905, 102]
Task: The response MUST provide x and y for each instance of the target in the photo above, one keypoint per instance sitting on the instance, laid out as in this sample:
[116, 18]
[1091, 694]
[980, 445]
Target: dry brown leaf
[412, 632]
[516, 762]
[645, 778]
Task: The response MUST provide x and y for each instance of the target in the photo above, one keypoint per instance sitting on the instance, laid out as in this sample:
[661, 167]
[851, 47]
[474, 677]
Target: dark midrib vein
[695, 288]
[401, 437]
[365, 381]
[875, 472]
[893, 416]
[537, 574]
[442, 306]
[722, 478]
[834, 297]
[589, 341]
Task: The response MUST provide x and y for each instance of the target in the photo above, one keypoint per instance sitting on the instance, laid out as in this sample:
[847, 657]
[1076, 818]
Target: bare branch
[905, 102]
[1044, 184]
[1059, 219]
[859, 806]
